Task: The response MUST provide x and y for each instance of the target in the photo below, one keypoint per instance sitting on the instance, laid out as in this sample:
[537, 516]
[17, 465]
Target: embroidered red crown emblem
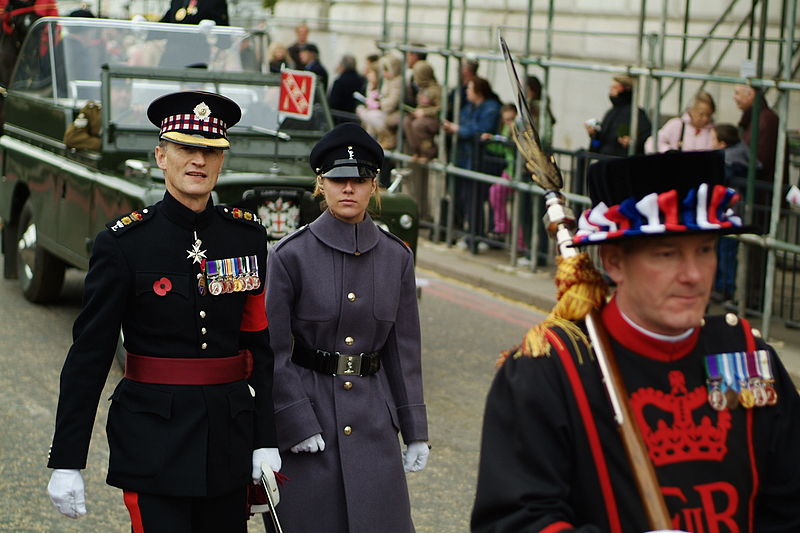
[677, 437]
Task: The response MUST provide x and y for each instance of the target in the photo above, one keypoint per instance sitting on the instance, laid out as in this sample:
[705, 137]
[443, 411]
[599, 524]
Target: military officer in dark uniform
[347, 347]
[191, 422]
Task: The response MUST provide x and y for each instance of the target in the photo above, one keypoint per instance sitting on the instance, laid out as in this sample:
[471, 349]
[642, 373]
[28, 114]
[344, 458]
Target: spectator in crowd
[193, 12]
[480, 114]
[533, 93]
[468, 71]
[612, 136]
[309, 58]
[744, 96]
[422, 123]
[725, 137]
[348, 81]
[278, 56]
[412, 58]
[737, 154]
[381, 114]
[500, 194]
[690, 132]
[371, 62]
[301, 35]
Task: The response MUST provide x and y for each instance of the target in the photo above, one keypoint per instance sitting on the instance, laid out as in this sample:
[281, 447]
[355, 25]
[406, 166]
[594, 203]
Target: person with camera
[612, 135]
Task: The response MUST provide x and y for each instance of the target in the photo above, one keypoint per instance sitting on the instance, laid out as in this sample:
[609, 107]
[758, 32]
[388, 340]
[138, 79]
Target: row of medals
[181, 13]
[740, 378]
[224, 276]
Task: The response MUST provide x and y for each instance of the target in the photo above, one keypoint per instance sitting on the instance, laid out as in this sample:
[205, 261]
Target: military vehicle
[54, 198]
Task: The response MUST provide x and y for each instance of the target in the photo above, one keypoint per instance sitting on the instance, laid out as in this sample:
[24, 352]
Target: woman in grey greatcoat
[344, 324]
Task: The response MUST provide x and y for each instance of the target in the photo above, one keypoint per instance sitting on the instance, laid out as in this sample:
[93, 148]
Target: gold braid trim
[581, 288]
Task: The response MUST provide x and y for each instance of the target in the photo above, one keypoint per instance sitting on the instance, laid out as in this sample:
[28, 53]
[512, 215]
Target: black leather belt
[335, 363]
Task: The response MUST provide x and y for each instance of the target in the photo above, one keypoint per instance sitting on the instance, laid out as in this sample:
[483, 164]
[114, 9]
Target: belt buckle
[348, 365]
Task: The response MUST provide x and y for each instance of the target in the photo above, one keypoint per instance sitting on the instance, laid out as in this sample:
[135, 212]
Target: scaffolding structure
[774, 62]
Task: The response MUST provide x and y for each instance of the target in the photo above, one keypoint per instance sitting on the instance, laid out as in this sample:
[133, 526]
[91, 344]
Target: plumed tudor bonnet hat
[673, 193]
[194, 118]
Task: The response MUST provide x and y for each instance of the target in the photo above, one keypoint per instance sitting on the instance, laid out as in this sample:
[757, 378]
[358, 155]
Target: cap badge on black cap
[350, 153]
[202, 111]
[185, 117]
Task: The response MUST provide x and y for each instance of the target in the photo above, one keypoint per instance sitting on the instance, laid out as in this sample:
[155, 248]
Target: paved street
[463, 330]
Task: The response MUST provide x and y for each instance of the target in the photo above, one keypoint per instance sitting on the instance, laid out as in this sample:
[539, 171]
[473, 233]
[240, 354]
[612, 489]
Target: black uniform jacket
[181, 440]
[552, 459]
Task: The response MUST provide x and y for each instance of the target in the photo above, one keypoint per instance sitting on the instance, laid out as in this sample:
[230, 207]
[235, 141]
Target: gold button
[357, 254]
[349, 341]
[351, 296]
[202, 314]
[756, 333]
[204, 345]
[347, 430]
[203, 331]
[731, 319]
[347, 385]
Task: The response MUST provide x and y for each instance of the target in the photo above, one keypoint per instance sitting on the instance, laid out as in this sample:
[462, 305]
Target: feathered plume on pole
[580, 286]
[581, 293]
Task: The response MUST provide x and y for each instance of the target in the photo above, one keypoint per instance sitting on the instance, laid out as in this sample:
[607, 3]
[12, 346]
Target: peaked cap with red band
[194, 118]
[663, 194]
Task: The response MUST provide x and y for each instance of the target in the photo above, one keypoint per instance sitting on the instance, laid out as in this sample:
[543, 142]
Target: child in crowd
[726, 137]
[500, 194]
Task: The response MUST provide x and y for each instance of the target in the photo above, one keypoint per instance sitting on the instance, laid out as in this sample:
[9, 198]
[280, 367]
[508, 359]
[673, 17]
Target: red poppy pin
[162, 286]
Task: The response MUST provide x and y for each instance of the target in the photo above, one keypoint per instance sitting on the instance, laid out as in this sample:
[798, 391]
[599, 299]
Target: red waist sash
[188, 371]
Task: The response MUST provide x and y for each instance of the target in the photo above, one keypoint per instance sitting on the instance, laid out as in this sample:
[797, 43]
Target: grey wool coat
[327, 282]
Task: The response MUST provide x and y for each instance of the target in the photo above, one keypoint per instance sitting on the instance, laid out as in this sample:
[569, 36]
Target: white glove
[265, 455]
[66, 492]
[416, 456]
[312, 444]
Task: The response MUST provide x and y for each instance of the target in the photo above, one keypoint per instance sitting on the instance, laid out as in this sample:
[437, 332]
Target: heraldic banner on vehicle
[297, 94]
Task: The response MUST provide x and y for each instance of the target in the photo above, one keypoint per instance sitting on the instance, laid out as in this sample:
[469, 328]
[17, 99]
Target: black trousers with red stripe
[168, 514]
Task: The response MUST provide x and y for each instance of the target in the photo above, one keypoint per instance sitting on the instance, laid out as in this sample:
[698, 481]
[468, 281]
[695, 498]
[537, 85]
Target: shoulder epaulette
[731, 320]
[239, 214]
[291, 236]
[132, 219]
[395, 237]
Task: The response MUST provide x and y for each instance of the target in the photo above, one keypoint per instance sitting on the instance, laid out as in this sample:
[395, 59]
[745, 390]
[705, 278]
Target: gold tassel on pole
[581, 288]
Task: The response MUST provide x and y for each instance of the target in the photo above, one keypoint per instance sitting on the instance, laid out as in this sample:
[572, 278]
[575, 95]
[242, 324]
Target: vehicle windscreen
[258, 101]
[64, 59]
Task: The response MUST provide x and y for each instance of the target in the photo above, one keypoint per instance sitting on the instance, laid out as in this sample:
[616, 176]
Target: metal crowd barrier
[525, 207]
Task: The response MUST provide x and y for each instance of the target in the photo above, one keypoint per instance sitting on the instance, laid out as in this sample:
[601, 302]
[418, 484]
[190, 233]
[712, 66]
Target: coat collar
[185, 217]
[353, 239]
[638, 342]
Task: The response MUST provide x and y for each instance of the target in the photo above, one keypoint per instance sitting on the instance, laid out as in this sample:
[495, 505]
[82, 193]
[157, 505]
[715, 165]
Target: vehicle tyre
[10, 251]
[41, 274]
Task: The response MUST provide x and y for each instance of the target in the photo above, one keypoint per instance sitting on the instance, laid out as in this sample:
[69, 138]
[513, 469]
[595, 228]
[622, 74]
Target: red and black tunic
[552, 460]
